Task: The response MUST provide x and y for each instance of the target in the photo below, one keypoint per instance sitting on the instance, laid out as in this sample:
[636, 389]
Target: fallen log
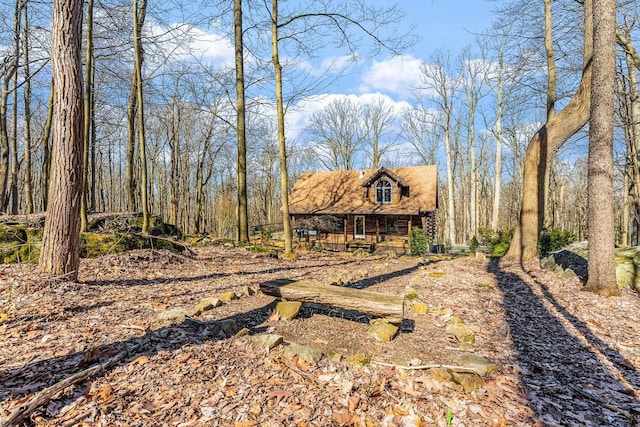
[389, 307]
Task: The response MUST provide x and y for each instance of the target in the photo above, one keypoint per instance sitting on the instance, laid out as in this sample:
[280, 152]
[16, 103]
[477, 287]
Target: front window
[383, 191]
[392, 224]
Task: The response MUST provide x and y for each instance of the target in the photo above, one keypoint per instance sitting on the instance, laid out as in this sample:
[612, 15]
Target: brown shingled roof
[341, 192]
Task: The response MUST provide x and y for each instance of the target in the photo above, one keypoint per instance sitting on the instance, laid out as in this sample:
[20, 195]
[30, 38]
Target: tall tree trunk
[87, 116]
[46, 148]
[13, 141]
[497, 188]
[130, 175]
[174, 161]
[243, 216]
[93, 136]
[61, 238]
[600, 215]
[4, 142]
[544, 144]
[138, 21]
[284, 175]
[451, 212]
[28, 166]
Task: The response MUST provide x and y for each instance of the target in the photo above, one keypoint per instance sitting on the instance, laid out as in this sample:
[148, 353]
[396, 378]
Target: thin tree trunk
[28, 166]
[87, 116]
[450, 190]
[60, 241]
[284, 176]
[138, 21]
[243, 216]
[4, 143]
[130, 175]
[46, 148]
[497, 188]
[13, 141]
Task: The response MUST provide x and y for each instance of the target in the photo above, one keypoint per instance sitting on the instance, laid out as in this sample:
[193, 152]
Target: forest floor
[566, 357]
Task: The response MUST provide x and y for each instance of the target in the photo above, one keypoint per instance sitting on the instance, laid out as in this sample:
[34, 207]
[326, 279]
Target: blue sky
[440, 25]
[443, 24]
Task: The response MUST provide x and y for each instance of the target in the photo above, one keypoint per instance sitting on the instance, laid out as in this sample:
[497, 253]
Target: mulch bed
[567, 357]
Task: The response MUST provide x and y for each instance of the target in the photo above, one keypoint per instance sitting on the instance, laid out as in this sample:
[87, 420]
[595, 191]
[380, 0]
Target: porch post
[377, 228]
[346, 219]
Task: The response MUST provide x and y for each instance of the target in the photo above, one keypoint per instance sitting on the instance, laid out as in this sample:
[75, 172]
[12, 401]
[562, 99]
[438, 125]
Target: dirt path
[567, 357]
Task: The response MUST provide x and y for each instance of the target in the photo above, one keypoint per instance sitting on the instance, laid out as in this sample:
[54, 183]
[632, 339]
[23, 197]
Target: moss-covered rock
[19, 244]
[572, 261]
[131, 223]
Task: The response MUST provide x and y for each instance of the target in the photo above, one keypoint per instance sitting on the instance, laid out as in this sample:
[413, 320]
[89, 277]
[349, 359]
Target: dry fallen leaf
[140, 361]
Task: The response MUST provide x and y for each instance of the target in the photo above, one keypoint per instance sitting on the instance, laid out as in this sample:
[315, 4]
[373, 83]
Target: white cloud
[398, 75]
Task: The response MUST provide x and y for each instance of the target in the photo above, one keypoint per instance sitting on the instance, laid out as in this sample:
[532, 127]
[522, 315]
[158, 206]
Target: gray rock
[479, 364]
[308, 354]
[266, 340]
[229, 327]
[462, 332]
[178, 314]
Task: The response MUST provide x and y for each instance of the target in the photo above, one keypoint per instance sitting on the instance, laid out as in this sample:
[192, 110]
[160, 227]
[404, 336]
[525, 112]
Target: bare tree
[378, 131]
[61, 238]
[336, 134]
[544, 144]
[472, 82]
[439, 82]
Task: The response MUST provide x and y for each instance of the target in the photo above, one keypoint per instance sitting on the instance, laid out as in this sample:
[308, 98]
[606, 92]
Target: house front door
[358, 230]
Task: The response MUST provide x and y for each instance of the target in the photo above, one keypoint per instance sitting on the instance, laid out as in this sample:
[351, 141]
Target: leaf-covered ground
[567, 357]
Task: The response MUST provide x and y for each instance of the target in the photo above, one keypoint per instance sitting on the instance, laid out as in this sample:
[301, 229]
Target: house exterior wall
[376, 226]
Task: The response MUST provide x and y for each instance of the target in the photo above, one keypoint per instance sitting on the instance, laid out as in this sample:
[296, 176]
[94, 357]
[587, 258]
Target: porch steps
[361, 244]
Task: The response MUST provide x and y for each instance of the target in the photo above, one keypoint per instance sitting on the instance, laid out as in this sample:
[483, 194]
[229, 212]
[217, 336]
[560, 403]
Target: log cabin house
[365, 207]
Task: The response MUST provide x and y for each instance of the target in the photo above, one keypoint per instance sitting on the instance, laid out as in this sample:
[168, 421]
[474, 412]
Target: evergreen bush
[553, 239]
[418, 242]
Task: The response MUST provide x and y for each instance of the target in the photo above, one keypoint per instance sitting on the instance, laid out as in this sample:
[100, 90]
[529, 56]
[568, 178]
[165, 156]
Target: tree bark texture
[390, 307]
[60, 242]
[600, 208]
[243, 216]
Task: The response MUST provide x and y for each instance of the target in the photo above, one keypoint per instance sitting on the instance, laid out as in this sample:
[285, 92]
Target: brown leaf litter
[567, 357]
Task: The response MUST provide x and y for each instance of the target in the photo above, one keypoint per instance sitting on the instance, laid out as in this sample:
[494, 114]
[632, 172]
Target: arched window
[383, 191]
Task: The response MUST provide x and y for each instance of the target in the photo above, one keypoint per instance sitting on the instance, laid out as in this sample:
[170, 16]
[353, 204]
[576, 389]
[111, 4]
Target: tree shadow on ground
[565, 369]
[36, 375]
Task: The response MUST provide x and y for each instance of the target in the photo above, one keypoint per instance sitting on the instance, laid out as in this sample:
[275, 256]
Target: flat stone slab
[479, 364]
[266, 340]
[308, 354]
